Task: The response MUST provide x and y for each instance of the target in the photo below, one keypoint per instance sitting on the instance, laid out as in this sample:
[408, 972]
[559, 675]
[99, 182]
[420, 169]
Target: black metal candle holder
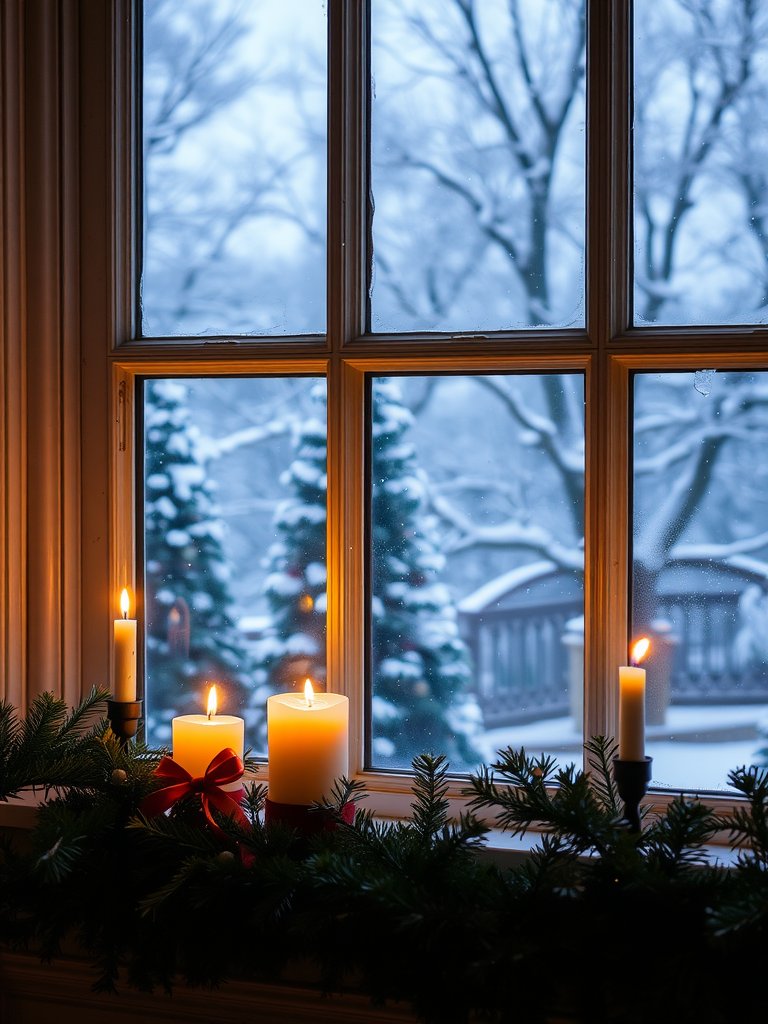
[124, 716]
[632, 778]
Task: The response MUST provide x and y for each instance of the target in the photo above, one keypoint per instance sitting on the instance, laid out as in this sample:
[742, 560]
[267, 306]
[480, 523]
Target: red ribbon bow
[225, 768]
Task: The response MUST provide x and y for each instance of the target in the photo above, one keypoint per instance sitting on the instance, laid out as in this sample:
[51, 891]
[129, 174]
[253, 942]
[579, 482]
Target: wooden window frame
[71, 353]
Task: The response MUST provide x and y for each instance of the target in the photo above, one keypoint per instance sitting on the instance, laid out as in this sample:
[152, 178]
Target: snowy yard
[694, 750]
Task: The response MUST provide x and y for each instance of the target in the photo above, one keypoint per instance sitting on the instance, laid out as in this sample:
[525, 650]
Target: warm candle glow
[640, 650]
[124, 647]
[308, 744]
[212, 702]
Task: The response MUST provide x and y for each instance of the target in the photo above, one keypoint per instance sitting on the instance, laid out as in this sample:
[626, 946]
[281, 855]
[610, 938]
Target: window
[538, 225]
[234, 518]
[471, 524]
[470, 631]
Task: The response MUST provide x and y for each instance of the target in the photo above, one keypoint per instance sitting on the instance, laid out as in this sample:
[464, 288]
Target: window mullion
[607, 509]
[348, 74]
[348, 77]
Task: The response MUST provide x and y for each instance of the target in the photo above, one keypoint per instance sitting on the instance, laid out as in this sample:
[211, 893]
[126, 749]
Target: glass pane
[234, 108]
[701, 153]
[234, 541]
[700, 571]
[478, 137]
[477, 609]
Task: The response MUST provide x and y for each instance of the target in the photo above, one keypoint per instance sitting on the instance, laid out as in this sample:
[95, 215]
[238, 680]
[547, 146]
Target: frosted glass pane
[477, 629]
[700, 571]
[234, 116]
[700, 161]
[234, 544]
[478, 164]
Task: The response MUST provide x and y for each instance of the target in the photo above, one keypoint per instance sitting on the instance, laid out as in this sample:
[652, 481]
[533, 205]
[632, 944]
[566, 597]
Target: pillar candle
[197, 739]
[631, 713]
[124, 686]
[632, 706]
[307, 736]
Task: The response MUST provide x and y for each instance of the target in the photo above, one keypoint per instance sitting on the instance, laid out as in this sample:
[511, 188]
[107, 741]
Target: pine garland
[596, 925]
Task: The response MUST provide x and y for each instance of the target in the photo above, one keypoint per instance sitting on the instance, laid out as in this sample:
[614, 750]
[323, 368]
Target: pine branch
[253, 801]
[600, 754]
[570, 808]
[748, 826]
[174, 833]
[48, 748]
[189, 869]
[252, 765]
[674, 842]
[552, 865]
[87, 710]
[522, 800]
[344, 791]
[430, 786]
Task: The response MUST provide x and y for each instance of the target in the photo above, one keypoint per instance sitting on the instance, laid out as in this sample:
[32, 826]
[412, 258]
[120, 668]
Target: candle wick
[210, 715]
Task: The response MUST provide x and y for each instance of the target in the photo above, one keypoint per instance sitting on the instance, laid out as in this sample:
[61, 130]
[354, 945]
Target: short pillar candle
[197, 739]
[307, 736]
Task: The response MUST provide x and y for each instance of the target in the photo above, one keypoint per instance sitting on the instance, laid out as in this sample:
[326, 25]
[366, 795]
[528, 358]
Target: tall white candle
[307, 737]
[197, 739]
[124, 686]
[632, 706]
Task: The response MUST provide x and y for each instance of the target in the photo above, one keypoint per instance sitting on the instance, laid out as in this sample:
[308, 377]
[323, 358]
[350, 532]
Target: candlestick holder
[304, 818]
[632, 778]
[124, 716]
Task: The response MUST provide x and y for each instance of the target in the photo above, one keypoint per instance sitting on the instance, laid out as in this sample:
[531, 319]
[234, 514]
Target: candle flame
[640, 650]
[124, 602]
[212, 702]
[309, 693]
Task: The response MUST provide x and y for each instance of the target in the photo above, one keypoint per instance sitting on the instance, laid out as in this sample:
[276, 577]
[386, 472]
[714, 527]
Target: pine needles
[406, 906]
[50, 747]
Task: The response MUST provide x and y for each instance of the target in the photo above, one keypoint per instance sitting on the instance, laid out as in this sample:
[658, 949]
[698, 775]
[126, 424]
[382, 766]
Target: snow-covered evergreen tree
[419, 663]
[191, 637]
[294, 647]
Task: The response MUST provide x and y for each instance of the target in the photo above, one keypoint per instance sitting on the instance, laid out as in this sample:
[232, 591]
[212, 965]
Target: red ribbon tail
[162, 799]
[223, 802]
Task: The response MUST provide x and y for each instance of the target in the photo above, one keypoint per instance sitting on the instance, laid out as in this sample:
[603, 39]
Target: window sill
[38, 993]
[499, 848]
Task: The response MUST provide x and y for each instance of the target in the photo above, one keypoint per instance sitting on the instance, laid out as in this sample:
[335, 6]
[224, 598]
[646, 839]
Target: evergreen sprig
[747, 826]
[406, 907]
[50, 747]
[534, 792]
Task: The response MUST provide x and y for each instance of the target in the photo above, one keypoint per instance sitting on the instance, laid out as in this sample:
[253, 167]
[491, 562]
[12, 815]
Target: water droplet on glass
[702, 381]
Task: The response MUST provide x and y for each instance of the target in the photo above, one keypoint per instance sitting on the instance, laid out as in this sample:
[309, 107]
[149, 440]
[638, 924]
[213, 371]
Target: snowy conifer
[419, 663]
[294, 647]
[191, 638]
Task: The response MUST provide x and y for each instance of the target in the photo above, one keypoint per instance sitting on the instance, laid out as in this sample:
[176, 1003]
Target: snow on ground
[694, 750]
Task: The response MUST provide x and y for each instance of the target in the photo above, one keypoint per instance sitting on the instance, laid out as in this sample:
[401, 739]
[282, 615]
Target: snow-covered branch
[215, 448]
[718, 552]
[687, 446]
[509, 534]
[522, 413]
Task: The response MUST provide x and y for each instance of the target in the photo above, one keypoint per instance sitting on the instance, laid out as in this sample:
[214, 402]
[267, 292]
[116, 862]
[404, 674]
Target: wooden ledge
[36, 993]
